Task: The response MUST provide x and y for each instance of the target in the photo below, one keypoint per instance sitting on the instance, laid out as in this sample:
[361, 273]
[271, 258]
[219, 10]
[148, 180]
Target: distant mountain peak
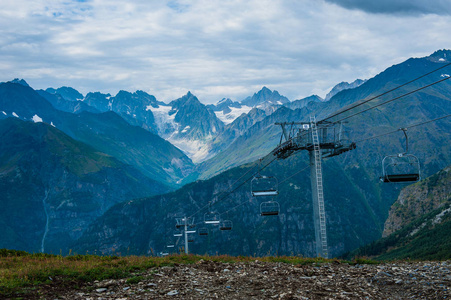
[224, 100]
[20, 81]
[265, 96]
[188, 98]
[67, 93]
[442, 56]
[344, 86]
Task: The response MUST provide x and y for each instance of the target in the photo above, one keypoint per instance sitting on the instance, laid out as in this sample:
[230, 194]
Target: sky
[214, 48]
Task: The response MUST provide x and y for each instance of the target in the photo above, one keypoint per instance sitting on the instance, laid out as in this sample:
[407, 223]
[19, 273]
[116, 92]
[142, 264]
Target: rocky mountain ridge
[419, 199]
[418, 224]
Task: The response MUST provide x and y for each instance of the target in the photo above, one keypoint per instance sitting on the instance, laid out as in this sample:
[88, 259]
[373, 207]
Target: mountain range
[199, 153]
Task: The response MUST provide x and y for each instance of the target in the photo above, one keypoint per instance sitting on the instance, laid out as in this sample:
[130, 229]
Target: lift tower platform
[322, 139]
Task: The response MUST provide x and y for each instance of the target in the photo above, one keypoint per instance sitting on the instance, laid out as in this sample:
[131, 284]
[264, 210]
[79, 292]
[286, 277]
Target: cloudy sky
[214, 48]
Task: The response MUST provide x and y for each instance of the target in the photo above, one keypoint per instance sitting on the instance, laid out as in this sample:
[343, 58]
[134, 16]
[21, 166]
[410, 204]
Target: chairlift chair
[177, 233]
[402, 167]
[264, 186]
[179, 223]
[203, 231]
[226, 225]
[211, 217]
[170, 243]
[269, 208]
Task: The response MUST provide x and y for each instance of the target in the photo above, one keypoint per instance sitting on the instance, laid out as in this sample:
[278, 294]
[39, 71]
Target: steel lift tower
[322, 139]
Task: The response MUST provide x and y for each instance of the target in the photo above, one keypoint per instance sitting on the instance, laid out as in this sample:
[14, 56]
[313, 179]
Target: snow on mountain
[165, 121]
[187, 124]
[36, 119]
[265, 99]
[196, 149]
[234, 112]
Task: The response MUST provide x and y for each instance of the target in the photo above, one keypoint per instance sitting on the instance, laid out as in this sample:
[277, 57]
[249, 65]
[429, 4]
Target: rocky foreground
[262, 280]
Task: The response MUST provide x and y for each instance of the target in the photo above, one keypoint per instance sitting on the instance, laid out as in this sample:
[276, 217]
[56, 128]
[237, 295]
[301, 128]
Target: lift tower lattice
[322, 139]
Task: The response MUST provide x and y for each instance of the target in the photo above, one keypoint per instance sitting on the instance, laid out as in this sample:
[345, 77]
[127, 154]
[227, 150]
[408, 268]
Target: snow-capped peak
[36, 119]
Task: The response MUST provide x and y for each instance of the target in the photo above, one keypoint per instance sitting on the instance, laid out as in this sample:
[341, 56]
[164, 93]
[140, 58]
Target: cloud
[213, 48]
[401, 7]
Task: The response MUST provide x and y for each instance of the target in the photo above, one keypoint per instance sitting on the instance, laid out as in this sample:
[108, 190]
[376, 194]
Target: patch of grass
[135, 279]
[23, 274]
[365, 261]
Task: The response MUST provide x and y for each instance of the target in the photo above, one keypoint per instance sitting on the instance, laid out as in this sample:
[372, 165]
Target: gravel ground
[261, 280]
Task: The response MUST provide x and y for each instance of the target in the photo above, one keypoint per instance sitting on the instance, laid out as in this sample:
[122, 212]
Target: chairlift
[402, 167]
[181, 222]
[225, 225]
[177, 233]
[203, 231]
[264, 186]
[211, 217]
[170, 243]
[191, 240]
[269, 208]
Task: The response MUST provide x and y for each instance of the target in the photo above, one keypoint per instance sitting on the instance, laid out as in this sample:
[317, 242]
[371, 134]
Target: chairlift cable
[244, 202]
[386, 102]
[391, 100]
[407, 127]
[250, 169]
[336, 114]
[385, 93]
[294, 175]
[244, 182]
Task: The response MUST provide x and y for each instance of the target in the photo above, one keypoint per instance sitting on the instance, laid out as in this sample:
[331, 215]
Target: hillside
[53, 187]
[352, 219]
[419, 223]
